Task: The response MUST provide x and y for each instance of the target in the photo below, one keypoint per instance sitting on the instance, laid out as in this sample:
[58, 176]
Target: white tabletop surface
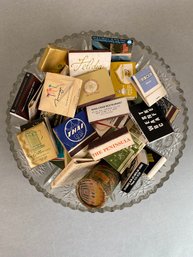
[34, 226]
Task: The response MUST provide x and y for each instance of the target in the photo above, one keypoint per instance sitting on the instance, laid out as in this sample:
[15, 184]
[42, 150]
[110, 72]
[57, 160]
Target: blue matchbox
[75, 134]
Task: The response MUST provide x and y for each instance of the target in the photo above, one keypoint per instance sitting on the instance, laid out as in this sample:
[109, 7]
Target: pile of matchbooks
[94, 115]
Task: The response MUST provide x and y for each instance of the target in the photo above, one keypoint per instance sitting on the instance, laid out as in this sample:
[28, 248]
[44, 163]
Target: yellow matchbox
[53, 59]
[96, 87]
[37, 145]
[120, 73]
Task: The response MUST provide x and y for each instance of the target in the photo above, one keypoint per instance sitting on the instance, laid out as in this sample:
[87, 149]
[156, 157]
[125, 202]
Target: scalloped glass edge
[105, 208]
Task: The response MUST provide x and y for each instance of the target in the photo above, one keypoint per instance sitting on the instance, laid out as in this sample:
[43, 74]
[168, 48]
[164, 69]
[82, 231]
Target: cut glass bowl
[171, 147]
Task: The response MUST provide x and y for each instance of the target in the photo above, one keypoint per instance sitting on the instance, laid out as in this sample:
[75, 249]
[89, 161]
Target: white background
[33, 226]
